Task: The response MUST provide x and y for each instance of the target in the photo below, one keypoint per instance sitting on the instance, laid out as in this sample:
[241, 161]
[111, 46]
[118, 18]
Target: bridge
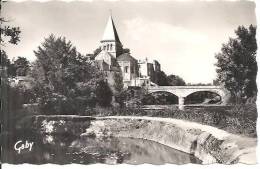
[183, 91]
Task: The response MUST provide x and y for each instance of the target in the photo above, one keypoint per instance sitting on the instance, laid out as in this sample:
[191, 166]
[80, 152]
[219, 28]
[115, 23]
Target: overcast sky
[182, 36]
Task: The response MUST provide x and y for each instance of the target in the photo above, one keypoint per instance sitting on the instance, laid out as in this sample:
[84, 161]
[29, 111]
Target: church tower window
[107, 46]
[126, 69]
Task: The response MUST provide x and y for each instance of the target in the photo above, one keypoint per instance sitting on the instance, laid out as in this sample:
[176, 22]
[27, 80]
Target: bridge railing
[185, 87]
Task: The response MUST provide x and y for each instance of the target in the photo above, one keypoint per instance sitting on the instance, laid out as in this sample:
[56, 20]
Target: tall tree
[175, 80]
[8, 34]
[9, 100]
[237, 66]
[61, 72]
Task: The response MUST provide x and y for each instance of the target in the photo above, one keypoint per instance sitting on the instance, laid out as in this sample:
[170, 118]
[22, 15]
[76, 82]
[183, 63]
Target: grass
[239, 119]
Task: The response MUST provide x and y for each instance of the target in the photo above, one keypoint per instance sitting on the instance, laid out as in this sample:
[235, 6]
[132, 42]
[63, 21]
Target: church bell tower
[110, 41]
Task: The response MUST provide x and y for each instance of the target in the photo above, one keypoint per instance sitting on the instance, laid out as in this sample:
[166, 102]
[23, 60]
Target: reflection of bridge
[183, 91]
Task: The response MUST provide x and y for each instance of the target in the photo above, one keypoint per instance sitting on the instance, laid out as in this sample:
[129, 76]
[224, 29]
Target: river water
[66, 149]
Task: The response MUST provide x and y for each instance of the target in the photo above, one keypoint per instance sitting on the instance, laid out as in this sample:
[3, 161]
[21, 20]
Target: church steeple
[110, 41]
[110, 33]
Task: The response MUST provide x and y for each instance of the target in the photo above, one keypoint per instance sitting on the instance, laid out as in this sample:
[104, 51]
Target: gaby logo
[20, 145]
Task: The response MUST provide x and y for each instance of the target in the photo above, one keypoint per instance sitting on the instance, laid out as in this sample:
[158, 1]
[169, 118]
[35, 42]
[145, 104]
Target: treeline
[168, 80]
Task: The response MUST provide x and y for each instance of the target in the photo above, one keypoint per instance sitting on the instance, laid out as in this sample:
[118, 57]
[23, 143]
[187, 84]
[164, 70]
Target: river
[66, 149]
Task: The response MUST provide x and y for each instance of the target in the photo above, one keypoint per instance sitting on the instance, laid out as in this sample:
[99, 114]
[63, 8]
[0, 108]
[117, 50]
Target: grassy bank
[239, 119]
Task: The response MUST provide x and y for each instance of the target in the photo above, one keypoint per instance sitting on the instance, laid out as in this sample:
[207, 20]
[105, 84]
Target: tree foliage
[8, 33]
[21, 66]
[103, 93]
[118, 82]
[62, 76]
[236, 64]
[5, 62]
[161, 78]
[175, 80]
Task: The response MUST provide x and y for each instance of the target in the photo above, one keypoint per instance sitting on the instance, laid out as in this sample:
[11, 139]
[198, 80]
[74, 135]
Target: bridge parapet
[185, 87]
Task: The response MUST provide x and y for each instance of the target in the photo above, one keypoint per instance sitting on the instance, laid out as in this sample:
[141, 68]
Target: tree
[103, 93]
[161, 78]
[118, 82]
[21, 66]
[8, 33]
[236, 64]
[63, 77]
[96, 52]
[175, 80]
[126, 50]
[5, 62]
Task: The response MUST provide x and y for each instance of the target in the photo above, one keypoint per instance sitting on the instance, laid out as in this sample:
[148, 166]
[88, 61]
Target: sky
[183, 36]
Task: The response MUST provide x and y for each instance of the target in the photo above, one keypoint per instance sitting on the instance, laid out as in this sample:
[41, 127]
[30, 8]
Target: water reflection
[65, 149]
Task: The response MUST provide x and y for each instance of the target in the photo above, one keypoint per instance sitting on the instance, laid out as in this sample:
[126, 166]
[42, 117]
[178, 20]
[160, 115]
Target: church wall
[123, 65]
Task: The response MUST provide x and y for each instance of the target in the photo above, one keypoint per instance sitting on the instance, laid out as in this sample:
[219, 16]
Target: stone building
[147, 70]
[129, 69]
[113, 58]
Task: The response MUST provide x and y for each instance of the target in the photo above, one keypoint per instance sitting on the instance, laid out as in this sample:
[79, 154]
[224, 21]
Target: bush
[57, 104]
[132, 97]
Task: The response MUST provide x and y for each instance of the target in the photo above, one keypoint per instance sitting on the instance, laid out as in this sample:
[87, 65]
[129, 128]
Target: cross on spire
[110, 12]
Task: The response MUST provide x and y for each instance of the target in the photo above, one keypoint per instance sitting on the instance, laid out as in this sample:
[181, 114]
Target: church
[113, 58]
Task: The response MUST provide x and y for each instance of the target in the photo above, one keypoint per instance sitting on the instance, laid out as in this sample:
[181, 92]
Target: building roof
[110, 33]
[126, 57]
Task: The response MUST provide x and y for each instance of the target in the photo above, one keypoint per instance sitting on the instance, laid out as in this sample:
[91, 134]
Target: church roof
[110, 33]
[126, 57]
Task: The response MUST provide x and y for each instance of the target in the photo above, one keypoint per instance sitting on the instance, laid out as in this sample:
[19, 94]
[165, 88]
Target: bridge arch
[184, 91]
[160, 98]
[203, 97]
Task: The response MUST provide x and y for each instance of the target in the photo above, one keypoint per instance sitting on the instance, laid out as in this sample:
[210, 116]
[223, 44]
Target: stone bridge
[183, 91]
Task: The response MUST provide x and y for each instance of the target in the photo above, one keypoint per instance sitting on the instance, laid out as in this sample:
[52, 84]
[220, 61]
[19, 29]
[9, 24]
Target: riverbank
[237, 119]
[209, 144]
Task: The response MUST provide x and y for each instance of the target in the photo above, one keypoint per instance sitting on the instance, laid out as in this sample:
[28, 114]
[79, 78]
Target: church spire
[110, 42]
[110, 33]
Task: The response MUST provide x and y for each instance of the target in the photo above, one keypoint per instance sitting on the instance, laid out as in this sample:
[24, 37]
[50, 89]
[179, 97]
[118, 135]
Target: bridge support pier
[181, 103]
